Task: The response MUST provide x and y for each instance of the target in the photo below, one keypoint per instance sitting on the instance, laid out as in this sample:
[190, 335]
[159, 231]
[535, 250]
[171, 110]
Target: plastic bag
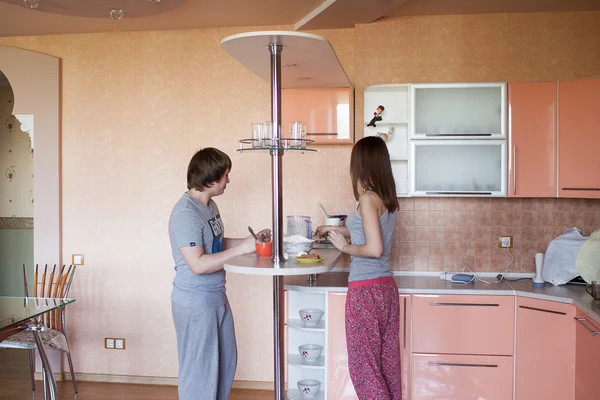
[559, 260]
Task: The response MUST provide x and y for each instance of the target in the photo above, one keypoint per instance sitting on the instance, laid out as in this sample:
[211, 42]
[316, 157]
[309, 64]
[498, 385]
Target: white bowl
[295, 248]
[308, 387]
[334, 221]
[310, 316]
[310, 352]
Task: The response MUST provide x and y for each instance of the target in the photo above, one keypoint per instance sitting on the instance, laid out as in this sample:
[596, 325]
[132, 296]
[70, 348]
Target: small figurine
[376, 116]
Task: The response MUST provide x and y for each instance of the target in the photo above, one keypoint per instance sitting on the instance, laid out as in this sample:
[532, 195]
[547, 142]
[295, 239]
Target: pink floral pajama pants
[373, 338]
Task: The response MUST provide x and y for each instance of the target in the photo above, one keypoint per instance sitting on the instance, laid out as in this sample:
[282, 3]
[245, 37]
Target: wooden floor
[15, 385]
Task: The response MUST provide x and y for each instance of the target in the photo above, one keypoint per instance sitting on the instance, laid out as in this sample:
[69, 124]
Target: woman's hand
[323, 230]
[248, 245]
[337, 239]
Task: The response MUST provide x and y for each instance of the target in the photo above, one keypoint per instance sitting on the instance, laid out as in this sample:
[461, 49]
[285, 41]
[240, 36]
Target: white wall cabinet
[444, 139]
[458, 168]
[458, 111]
[393, 127]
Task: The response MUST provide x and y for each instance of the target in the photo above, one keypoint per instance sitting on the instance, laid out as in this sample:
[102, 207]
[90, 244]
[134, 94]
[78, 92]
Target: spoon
[254, 234]
[323, 210]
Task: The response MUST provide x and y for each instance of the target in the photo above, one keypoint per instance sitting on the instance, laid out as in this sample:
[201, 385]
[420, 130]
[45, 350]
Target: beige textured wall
[137, 105]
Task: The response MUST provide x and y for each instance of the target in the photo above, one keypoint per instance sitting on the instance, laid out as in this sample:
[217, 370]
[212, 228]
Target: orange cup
[264, 249]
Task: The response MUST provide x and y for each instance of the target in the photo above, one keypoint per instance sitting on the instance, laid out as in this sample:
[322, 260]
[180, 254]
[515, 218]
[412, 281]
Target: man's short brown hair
[206, 167]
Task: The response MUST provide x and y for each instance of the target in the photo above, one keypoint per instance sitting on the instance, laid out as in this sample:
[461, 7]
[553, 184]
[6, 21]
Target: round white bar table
[252, 265]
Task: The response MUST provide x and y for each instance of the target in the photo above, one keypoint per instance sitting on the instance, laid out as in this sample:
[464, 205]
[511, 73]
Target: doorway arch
[35, 81]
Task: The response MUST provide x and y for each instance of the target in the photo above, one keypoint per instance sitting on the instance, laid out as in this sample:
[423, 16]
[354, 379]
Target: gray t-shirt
[362, 268]
[194, 224]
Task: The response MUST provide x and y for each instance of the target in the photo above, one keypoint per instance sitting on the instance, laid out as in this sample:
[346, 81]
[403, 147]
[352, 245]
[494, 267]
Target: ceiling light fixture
[33, 4]
[116, 13]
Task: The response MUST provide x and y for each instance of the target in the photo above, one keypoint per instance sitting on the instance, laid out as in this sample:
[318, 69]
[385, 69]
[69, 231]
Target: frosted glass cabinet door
[458, 168]
[458, 110]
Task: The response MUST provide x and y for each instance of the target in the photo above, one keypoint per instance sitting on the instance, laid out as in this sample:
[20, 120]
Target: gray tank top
[362, 268]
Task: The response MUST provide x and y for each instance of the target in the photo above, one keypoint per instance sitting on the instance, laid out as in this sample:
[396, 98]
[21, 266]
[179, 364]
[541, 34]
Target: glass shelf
[275, 144]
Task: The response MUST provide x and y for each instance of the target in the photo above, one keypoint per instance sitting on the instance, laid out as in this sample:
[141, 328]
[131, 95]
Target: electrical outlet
[109, 343]
[505, 241]
[120, 344]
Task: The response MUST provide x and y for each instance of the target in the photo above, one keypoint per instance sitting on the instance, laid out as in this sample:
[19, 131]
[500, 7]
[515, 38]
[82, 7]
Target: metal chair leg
[32, 368]
[72, 372]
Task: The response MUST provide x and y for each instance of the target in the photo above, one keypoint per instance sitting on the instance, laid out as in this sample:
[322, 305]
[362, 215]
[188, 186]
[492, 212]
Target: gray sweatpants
[206, 351]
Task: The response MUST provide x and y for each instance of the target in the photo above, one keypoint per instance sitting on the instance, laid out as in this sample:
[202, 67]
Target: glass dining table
[21, 313]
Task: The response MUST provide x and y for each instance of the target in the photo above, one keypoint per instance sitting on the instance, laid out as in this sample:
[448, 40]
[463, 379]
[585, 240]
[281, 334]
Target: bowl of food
[308, 387]
[310, 316]
[296, 245]
[310, 352]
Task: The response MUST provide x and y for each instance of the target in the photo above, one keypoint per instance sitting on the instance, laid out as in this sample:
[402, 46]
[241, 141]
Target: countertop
[572, 294]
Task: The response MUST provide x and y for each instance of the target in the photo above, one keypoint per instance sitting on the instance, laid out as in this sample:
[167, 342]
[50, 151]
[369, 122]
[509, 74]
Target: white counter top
[251, 264]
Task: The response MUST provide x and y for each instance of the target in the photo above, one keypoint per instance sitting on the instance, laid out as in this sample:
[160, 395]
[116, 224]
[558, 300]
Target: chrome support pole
[277, 181]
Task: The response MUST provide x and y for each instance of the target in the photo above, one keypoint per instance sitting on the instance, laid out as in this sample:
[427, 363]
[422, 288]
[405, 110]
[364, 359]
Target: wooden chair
[54, 337]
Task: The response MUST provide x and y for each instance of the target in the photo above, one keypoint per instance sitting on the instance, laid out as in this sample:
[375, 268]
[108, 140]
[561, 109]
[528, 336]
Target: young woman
[206, 346]
[372, 304]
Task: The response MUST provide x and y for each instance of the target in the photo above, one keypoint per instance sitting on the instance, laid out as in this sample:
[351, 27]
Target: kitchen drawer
[459, 324]
[460, 377]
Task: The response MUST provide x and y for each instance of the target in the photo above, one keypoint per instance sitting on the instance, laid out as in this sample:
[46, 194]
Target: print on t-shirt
[216, 225]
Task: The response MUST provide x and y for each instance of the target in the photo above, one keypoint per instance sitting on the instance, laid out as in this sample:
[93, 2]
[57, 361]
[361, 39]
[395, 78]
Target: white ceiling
[75, 16]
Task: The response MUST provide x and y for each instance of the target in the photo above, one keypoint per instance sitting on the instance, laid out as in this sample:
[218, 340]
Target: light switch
[77, 259]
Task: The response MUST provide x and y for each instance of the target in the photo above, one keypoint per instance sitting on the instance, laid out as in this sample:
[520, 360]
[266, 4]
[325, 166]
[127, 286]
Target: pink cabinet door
[587, 358]
[545, 357]
[328, 113]
[463, 324]
[532, 138]
[339, 385]
[405, 329]
[462, 377]
[578, 138]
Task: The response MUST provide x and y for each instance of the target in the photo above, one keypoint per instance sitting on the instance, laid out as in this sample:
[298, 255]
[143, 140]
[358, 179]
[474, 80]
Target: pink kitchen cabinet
[328, 113]
[545, 355]
[462, 377]
[339, 385]
[587, 358]
[463, 324]
[532, 139]
[579, 141]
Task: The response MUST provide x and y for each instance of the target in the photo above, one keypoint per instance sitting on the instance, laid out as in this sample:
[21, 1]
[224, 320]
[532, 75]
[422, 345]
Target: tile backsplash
[446, 234]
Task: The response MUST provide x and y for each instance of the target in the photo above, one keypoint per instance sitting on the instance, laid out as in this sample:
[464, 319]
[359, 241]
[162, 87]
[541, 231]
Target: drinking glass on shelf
[268, 134]
[298, 135]
[257, 135]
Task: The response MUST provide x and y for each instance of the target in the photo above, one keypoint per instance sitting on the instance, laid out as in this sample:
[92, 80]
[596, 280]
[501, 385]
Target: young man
[206, 345]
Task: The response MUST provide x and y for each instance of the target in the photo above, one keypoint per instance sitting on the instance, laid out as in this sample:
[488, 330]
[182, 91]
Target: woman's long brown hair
[370, 167]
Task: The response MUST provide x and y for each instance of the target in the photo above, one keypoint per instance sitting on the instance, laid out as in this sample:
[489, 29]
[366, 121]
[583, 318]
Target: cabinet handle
[593, 332]
[458, 134]
[543, 310]
[580, 188]
[444, 364]
[477, 193]
[440, 304]
[322, 134]
[514, 170]
[404, 328]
